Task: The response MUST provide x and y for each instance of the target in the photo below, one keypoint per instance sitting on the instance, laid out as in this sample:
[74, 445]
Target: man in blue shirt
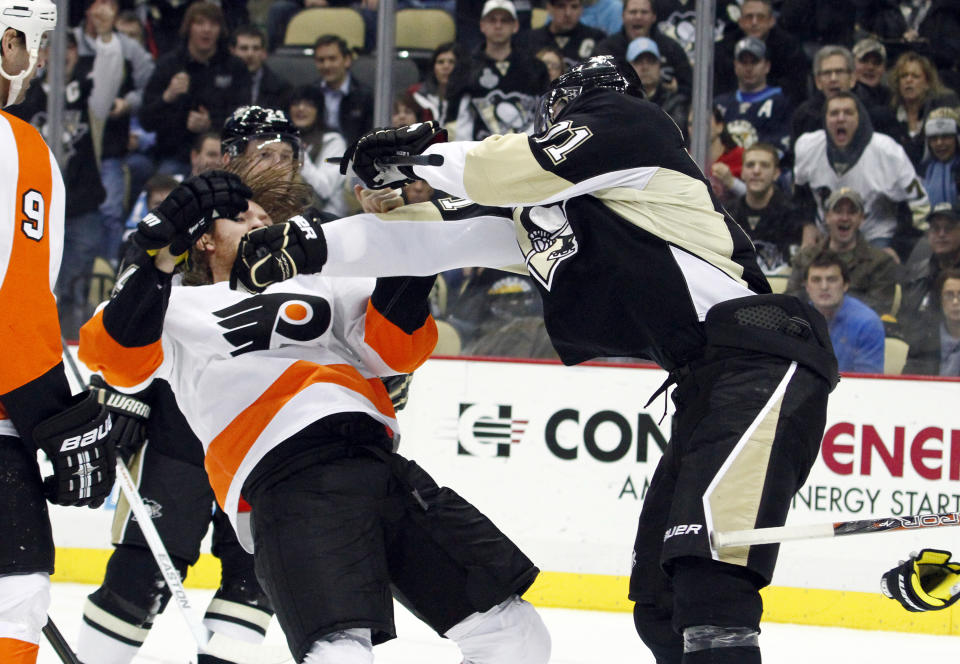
[856, 331]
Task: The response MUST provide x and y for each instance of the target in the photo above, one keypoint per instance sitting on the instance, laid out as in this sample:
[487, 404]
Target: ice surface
[579, 637]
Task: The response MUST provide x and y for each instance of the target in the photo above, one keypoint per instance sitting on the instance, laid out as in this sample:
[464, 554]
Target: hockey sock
[710, 644]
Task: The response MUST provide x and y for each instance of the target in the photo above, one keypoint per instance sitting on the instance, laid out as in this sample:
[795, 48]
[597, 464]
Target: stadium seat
[308, 24]
[295, 65]
[424, 29]
[448, 339]
[897, 298]
[894, 355]
[538, 18]
[405, 72]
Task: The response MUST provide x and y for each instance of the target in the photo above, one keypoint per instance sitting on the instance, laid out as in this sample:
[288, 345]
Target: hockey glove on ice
[275, 253]
[188, 211]
[129, 415]
[365, 154]
[928, 581]
[78, 444]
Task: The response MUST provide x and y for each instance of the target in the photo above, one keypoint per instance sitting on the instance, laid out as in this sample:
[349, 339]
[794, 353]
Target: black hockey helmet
[256, 122]
[600, 71]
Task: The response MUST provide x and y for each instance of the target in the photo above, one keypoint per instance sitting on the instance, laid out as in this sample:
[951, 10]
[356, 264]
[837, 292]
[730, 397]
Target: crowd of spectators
[833, 136]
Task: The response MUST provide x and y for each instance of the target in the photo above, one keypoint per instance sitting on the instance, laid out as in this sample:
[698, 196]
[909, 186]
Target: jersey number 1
[32, 207]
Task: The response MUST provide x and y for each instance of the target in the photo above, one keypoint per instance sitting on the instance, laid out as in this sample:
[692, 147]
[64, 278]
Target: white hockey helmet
[33, 18]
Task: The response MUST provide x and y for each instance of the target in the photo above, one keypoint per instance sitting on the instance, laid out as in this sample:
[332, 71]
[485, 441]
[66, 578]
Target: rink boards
[560, 458]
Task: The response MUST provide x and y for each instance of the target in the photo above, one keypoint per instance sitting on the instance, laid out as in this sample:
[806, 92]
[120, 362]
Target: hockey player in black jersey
[633, 256]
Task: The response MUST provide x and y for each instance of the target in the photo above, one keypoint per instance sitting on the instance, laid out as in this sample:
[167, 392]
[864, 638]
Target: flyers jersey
[250, 371]
[31, 246]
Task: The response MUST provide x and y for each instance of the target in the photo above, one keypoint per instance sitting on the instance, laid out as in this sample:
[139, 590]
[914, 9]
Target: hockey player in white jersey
[283, 390]
[633, 257]
[37, 410]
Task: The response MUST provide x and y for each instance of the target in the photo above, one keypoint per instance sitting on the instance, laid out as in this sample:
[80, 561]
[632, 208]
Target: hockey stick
[756, 536]
[59, 644]
[215, 644]
[211, 643]
[401, 160]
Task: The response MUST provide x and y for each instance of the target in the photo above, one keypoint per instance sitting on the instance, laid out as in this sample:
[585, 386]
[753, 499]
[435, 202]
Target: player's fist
[187, 212]
[129, 415]
[80, 447]
[368, 154]
[275, 253]
[927, 581]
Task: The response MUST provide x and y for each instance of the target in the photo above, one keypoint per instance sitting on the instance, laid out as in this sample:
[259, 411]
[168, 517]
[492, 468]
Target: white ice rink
[579, 637]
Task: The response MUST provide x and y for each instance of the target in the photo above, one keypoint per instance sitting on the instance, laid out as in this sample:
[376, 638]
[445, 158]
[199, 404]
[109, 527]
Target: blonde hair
[280, 196]
[935, 86]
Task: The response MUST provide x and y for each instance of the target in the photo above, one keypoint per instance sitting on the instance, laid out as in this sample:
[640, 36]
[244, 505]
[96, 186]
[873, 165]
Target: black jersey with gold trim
[617, 225]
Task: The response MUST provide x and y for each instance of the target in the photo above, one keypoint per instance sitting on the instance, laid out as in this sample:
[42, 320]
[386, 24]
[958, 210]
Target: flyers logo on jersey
[274, 320]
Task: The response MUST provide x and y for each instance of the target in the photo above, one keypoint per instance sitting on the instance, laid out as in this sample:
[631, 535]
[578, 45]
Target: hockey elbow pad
[928, 581]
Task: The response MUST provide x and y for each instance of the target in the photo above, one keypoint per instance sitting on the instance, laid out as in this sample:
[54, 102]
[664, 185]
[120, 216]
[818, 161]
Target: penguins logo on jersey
[545, 236]
[274, 320]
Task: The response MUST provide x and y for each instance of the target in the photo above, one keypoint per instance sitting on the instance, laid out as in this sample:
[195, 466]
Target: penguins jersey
[249, 371]
[31, 246]
[883, 176]
[500, 97]
[611, 217]
[765, 117]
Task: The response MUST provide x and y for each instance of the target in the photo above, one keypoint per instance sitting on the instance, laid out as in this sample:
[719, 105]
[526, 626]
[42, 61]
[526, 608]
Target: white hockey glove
[928, 581]
[366, 153]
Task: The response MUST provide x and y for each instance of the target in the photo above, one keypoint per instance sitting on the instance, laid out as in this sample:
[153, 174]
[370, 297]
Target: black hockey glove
[78, 444]
[365, 154]
[928, 581]
[272, 254]
[398, 387]
[129, 415]
[187, 212]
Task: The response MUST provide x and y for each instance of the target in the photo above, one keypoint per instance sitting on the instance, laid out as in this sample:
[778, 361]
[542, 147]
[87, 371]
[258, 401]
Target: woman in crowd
[306, 113]
[552, 58]
[940, 168]
[432, 92]
[916, 90]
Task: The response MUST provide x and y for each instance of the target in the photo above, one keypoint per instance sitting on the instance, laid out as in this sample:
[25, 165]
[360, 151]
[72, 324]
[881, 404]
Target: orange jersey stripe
[29, 327]
[401, 351]
[226, 452]
[14, 651]
[120, 366]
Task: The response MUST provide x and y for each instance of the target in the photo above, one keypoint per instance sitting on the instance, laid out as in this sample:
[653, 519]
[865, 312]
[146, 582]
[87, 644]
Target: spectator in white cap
[503, 83]
[940, 168]
[644, 55]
